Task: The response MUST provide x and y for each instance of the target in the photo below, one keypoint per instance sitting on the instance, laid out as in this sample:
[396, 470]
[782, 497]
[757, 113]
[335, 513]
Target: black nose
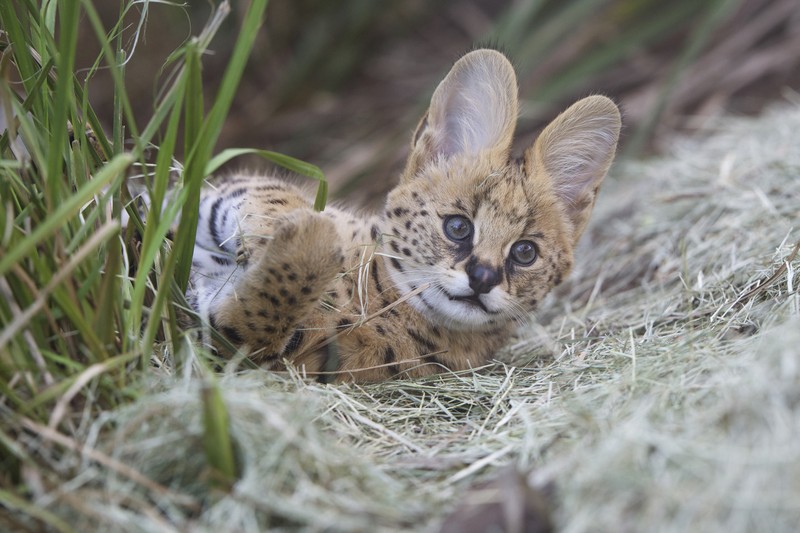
[482, 278]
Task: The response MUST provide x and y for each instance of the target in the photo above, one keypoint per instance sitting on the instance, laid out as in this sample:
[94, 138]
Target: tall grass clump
[88, 306]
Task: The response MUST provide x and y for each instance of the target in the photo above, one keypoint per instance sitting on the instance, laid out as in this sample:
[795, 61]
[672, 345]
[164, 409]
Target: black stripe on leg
[375, 277]
[212, 221]
[435, 360]
[294, 342]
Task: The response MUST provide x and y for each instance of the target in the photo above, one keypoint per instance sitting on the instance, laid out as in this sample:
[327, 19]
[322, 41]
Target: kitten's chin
[460, 314]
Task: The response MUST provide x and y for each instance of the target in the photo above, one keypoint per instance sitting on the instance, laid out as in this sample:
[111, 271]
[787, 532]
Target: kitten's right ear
[473, 109]
[574, 152]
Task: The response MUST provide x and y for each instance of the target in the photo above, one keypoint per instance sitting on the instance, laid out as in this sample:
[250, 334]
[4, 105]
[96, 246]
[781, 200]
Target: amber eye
[524, 253]
[457, 228]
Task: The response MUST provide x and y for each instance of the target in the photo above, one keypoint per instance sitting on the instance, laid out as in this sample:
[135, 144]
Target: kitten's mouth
[473, 300]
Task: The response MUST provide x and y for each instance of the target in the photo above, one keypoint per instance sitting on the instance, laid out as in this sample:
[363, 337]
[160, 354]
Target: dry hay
[658, 390]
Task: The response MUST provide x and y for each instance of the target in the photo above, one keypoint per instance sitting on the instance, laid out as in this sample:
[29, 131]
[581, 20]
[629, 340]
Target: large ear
[575, 151]
[473, 109]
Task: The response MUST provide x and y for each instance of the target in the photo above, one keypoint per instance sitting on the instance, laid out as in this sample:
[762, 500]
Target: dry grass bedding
[657, 390]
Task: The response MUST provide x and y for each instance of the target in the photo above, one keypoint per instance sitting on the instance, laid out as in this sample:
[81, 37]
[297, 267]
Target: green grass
[664, 368]
[86, 304]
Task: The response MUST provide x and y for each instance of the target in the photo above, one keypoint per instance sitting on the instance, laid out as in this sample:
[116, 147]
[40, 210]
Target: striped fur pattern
[468, 243]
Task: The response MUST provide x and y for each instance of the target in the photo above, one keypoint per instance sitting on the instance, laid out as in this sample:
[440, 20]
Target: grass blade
[285, 161]
[216, 437]
[65, 62]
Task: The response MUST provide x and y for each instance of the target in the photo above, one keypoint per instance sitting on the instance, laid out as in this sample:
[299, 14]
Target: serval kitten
[469, 243]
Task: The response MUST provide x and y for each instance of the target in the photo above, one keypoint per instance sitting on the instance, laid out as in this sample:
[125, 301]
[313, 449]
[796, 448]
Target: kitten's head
[480, 239]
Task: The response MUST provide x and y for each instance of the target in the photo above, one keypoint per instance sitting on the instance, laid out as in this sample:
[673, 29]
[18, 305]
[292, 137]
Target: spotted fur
[347, 297]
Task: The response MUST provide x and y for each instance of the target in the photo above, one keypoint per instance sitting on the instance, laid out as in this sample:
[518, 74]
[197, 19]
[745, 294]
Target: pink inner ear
[475, 107]
[574, 176]
[577, 153]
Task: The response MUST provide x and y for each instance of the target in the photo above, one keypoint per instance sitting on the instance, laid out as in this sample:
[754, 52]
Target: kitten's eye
[457, 228]
[524, 253]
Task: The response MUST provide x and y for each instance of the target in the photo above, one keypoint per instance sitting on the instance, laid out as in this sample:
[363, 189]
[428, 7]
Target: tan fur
[353, 298]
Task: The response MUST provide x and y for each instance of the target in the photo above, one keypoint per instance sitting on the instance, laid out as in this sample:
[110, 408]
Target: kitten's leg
[277, 290]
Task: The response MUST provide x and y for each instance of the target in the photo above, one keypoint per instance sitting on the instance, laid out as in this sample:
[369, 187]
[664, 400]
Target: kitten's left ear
[575, 152]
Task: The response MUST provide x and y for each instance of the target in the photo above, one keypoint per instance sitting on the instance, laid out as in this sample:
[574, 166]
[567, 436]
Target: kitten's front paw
[311, 239]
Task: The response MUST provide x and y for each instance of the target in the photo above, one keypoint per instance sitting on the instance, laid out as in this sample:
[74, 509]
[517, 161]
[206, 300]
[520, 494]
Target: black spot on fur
[422, 341]
[396, 264]
[374, 232]
[232, 335]
[388, 358]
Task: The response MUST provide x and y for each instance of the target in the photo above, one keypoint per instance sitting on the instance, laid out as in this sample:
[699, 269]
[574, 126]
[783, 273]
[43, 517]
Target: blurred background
[342, 84]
